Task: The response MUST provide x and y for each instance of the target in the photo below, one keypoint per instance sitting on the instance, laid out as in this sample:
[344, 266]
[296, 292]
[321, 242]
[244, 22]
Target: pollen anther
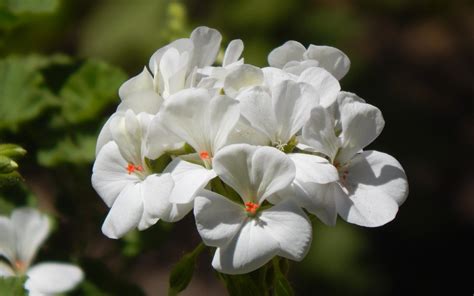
[251, 207]
[204, 155]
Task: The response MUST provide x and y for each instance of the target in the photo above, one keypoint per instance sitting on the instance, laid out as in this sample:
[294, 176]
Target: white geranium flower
[174, 66]
[294, 58]
[249, 234]
[205, 127]
[280, 112]
[137, 196]
[371, 186]
[21, 235]
[214, 76]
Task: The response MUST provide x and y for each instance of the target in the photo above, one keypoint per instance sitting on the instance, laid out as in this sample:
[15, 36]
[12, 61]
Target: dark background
[412, 59]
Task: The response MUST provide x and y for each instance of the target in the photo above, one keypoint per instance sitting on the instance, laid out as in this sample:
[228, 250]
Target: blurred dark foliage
[412, 59]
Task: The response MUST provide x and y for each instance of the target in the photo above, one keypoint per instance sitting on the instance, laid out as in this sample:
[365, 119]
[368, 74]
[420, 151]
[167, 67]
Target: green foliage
[13, 12]
[89, 90]
[23, 94]
[12, 286]
[73, 149]
[182, 272]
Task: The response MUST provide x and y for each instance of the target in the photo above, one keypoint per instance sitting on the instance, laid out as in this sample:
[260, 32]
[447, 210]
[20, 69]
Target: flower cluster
[250, 149]
[21, 235]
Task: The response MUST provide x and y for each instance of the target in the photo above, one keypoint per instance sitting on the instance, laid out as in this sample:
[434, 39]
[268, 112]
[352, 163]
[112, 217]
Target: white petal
[250, 249]
[274, 76]
[242, 77]
[126, 212]
[182, 45]
[31, 228]
[320, 199]
[298, 67]
[290, 227]
[217, 218]
[206, 42]
[292, 103]
[256, 107]
[326, 86]
[312, 168]
[289, 51]
[243, 132]
[53, 278]
[361, 124]
[5, 270]
[207, 124]
[128, 131]
[173, 66]
[7, 239]
[105, 134]
[178, 211]
[254, 172]
[318, 133]
[329, 58]
[188, 178]
[109, 173]
[156, 191]
[144, 101]
[233, 52]
[377, 186]
[139, 83]
[159, 139]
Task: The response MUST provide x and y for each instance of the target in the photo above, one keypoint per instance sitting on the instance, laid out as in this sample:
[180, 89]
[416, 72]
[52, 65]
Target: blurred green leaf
[182, 272]
[88, 91]
[12, 286]
[77, 149]
[30, 6]
[22, 93]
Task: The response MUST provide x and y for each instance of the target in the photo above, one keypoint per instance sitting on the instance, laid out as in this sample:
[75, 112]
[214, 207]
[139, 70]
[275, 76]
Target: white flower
[174, 66]
[20, 237]
[213, 77]
[138, 197]
[248, 234]
[280, 112]
[371, 186]
[294, 58]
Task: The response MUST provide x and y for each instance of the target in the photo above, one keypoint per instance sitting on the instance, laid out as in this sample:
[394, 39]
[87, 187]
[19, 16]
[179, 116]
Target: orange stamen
[251, 207]
[204, 155]
[131, 168]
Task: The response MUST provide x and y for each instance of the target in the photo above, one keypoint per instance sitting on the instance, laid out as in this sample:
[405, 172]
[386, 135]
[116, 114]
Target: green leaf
[76, 149]
[23, 96]
[182, 272]
[12, 286]
[89, 91]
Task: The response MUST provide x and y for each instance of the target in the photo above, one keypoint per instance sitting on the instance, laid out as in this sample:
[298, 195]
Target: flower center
[251, 208]
[131, 168]
[20, 266]
[204, 155]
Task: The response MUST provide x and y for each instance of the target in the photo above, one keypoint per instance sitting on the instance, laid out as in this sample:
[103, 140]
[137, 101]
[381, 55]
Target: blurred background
[61, 63]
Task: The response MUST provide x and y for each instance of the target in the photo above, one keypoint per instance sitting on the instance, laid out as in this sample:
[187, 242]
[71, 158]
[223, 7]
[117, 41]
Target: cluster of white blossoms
[21, 235]
[250, 149]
